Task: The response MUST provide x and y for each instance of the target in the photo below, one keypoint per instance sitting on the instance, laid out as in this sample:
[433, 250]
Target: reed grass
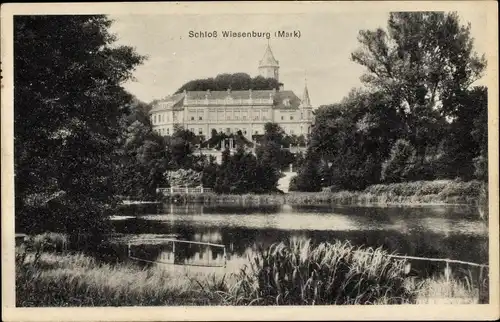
[283, 274]
[299, 274]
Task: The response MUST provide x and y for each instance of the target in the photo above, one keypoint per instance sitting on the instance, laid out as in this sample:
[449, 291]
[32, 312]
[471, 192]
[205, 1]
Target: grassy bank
[284, 274]
[418, 192]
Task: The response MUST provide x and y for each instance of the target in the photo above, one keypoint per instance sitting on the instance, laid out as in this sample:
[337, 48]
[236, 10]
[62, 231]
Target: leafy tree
[401, 164]
[68, 100]
[143, 161]
[209, 173]
[181, 145]
[424, 61]
[356, 136]
[309, 177]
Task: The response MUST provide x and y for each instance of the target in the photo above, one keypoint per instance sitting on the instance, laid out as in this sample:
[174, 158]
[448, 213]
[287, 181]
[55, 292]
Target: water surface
[453, 232]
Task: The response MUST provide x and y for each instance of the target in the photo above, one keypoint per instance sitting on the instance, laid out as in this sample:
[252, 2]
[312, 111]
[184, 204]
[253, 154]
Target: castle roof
[268, 59]
[171, 102]
[280, 99]
[245, 94]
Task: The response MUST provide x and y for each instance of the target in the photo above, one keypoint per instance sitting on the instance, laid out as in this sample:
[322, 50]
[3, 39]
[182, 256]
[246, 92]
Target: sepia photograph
[186, 156]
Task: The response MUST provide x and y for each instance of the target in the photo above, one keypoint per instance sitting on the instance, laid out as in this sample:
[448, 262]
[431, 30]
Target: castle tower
[268, 65]
[306, 101]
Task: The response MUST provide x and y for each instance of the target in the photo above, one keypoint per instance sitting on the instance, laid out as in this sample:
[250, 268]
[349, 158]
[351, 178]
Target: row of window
[166, 131]
[163, 131]
[160, 118]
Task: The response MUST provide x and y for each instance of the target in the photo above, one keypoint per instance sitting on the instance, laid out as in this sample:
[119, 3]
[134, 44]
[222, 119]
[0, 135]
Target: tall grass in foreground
[77, 280]
[299, 274]
[283, 274]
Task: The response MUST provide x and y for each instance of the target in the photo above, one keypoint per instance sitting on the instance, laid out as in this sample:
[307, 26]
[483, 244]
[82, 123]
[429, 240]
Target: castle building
[231, 111]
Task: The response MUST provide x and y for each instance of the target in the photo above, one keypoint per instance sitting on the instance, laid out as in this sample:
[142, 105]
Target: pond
[453, 232]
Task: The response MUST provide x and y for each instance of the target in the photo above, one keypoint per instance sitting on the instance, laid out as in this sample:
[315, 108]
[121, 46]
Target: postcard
[250, 160]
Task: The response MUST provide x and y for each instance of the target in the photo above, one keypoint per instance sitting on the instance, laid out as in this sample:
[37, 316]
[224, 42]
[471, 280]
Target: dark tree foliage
[309, 177]
[243, 173]
[419, 73]
[468, 135]
[68, 101]
[143, 156]
[237, 81]
[181, 147]
[355, 136]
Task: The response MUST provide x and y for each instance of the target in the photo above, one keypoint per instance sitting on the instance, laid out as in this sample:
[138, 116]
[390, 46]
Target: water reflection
[437, 231]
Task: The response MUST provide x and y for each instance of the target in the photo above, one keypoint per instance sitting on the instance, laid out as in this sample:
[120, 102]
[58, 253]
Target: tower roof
[268, 58]
[306, 101]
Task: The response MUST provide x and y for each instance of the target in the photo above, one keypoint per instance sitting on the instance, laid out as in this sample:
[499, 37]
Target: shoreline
[418, 193]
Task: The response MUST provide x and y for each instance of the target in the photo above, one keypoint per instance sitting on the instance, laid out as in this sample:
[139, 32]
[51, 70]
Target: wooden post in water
[447, 272]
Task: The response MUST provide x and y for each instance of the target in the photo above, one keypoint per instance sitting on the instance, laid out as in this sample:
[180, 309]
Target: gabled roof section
[173, 102]
[286, 100]
[268, 59]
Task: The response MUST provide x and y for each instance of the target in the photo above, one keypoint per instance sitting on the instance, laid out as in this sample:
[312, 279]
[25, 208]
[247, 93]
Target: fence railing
[182, 190]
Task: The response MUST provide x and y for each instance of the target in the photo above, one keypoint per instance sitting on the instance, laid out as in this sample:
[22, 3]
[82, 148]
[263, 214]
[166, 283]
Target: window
[291, 117]
[282, 117]
[228, 130]
[256, 131]
[168, 131]
[200, 118]
[200, 131]
[291, 132]
[192, 118]
[245, 131]
[154, 119]
[301, 116]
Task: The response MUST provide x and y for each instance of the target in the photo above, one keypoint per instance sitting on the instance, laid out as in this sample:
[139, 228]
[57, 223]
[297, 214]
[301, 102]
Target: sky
[321, 54]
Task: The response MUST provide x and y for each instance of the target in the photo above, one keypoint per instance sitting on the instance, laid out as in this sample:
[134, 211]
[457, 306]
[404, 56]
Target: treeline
[237, 81]
[419, 117]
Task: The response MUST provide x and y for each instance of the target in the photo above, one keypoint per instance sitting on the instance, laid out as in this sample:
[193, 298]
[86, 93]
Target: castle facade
[247, 111]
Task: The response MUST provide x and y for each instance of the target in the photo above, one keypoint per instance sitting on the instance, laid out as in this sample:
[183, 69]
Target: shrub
[401, 164]
[298, 274]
